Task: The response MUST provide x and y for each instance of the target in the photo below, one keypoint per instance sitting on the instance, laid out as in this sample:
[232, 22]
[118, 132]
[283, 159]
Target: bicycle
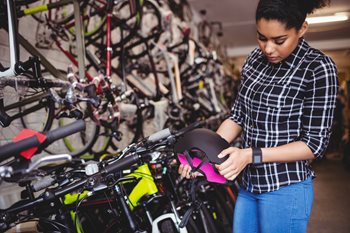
[30, 88]
[108, 169]
[25, 122]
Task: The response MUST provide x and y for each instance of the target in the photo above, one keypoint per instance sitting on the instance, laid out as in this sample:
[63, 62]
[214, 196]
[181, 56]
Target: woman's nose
[269, 48]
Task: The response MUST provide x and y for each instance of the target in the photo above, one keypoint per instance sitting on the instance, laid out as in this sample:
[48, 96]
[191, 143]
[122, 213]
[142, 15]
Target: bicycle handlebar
[160, 135]
[14, 148]
[43, 183]
[121, 164]
[113, 167]
[64, 131]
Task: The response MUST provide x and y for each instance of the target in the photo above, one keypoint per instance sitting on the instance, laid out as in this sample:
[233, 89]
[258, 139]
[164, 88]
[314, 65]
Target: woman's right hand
[184, 171]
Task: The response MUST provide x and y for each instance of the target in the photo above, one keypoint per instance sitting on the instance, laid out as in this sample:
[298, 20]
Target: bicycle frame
[12, 31]
[73, 198]
[146, 185]
[79, 62]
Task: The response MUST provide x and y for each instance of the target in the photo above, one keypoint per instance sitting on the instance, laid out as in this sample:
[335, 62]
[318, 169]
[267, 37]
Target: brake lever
[48, 160]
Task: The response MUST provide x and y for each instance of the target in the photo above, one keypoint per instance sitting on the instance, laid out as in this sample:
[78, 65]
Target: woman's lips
[272, 59]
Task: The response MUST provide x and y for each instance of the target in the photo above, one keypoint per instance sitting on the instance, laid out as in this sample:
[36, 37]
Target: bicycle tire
[64, 16]
[81, 144]
[192, 227]
[167, 226]
[223, 211]
[147, 29]
[60, 12]
[93, 20]
[41, 86]
[207, 220]
[29, 105]
[49, 108]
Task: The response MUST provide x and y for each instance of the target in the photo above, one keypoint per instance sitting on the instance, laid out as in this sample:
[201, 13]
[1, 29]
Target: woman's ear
[303, 29]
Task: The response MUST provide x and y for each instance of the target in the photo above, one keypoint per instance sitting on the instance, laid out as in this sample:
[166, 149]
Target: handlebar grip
[64, 131]
[121, 164]
[159, 135]
[43, 183]
[14, 148]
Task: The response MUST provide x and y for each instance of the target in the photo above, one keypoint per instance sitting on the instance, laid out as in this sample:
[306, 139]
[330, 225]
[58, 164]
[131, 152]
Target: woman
[284, 113]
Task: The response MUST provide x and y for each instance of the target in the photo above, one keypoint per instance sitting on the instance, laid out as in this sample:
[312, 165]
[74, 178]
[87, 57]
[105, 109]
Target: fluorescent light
[327, 19]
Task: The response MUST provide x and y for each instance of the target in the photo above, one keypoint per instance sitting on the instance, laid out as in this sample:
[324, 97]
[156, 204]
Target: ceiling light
[328, 19]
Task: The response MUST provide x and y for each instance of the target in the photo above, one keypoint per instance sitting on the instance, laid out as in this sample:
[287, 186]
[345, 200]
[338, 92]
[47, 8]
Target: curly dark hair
[291, 12]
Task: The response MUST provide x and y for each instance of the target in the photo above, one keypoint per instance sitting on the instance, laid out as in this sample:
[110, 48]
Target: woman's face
[275, 41]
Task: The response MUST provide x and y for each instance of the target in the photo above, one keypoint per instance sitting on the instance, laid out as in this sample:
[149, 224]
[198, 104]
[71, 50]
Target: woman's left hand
[237, 160]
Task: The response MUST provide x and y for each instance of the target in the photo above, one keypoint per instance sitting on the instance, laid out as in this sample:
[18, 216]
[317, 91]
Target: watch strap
[257, 155]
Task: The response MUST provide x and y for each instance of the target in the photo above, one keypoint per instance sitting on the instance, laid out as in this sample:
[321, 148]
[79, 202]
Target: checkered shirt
[282, 103]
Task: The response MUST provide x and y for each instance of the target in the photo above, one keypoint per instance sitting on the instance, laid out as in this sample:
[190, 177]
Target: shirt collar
[294, 58]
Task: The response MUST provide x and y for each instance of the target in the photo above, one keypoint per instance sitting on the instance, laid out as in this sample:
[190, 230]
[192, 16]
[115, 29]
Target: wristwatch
[257, 155]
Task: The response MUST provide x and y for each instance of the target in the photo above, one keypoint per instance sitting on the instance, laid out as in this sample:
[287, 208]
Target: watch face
[257, 159]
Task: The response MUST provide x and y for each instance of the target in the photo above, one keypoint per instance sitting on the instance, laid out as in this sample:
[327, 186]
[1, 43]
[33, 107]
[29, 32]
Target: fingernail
[220, 155]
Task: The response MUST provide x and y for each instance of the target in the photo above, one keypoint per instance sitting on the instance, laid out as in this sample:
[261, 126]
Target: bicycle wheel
[93, 15]
[88, 142]
[135, 30]
[223, 210]
[28, 106]
[58, 15]
[46, 107]
[93, 18]
[208, 221]
[191, 227]
[167, 226]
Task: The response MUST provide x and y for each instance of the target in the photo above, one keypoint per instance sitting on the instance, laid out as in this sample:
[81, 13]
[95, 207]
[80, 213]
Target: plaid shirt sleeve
[236, 109]
[319, 105]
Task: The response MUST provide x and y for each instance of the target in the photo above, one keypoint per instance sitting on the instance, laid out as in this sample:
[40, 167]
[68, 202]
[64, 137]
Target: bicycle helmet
[200, 148]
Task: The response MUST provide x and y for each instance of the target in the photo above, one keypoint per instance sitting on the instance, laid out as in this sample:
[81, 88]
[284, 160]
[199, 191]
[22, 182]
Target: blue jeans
[286, 210]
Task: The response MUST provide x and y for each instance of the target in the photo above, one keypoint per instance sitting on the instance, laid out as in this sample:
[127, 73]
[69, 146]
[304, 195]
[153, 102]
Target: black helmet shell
[204, 140]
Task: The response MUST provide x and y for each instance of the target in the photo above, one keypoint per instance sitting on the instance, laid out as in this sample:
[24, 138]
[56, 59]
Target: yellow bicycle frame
[70, 199]
[146, 185]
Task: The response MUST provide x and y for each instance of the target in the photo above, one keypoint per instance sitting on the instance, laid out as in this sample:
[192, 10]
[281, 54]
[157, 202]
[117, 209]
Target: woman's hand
[185, 171]
[237, 160]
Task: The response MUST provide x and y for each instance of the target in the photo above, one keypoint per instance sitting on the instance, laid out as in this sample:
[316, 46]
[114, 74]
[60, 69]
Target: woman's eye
[279, 42]
[262, 39]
